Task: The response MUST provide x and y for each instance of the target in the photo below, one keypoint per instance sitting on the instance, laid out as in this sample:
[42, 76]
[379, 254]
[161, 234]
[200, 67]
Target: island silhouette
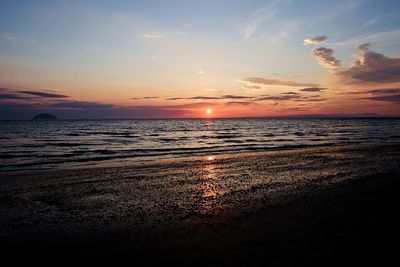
[44, 117]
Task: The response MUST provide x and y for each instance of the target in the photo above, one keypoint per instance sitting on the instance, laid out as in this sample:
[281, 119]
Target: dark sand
[319, 206]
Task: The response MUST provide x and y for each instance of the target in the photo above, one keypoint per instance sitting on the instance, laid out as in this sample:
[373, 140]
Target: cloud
[235, 97]
[310, 100]
[153, 36]
[325, 57]
[79, 105]
[180, 33]
[343, 8]
[211, 97]
[384, 91]
[194, 98]
[145, 97]
[279, 98]
[243, 103]
[189, 105]
[261, 16]
[315, 40]
[252, 86]
[289, 93]
[375, 91]
[256, 80]
[11, 96]
[386, 98]
[372, 67]
[43, 94]
[377, 37]
[371, 22]
[312, 89]
[27, 111]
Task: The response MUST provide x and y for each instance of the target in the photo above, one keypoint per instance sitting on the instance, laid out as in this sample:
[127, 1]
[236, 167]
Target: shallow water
[27, 145]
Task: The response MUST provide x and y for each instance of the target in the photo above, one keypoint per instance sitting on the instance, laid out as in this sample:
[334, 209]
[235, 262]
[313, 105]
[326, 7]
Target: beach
[321, 205]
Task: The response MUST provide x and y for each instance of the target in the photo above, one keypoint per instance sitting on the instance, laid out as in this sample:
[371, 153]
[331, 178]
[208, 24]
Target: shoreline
[233, 206]
[143, 162]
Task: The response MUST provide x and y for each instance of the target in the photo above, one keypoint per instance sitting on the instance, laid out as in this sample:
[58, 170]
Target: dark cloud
[183, 106]
[279, 98]
[88, 110]
[310, 100]
[43, 94]
[312, 89]
[315, 40]
[194, 98]
[386, 98]
[6, 96]
[174, 98]
[257, 80]
[385, 91]
[211, 97]
[368, 67]
[145, 97]
[79, 105]
[289, 93]
[325, 57]
[235, 97]
[203, 97]
[372, 67]
[296, 109]
[375, 91]
[243, 103]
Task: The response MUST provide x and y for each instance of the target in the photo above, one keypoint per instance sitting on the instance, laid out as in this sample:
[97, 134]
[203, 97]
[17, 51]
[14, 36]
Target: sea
[60, 144]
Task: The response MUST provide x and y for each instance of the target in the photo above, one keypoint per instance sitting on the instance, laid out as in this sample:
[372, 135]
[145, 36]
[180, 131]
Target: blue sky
[109, 52]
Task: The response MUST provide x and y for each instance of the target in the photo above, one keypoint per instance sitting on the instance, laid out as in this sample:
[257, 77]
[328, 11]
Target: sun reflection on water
[212, 187]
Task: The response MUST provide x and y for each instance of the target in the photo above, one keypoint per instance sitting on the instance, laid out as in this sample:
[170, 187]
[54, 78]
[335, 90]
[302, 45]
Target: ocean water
[31, 145]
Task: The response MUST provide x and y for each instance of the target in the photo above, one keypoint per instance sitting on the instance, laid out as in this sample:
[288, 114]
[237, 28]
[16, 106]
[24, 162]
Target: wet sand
[315, 206]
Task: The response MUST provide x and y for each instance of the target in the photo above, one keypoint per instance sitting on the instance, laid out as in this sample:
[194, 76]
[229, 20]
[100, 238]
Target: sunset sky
[157, 59]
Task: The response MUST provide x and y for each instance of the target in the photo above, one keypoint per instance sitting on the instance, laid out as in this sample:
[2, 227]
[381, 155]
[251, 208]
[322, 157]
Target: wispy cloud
[43, 94]
[242, 103]
[145, 97]
[377, 37]
[6, 93]
[263, 15]
[375, 91]
[153, 36]
[263, 81]
[79, 105]
[386, 98]
[343, 8]
[371, 22]
[251, 86]
[11, 96]
[279, 98]
[312, 89]
[289, 93]
[211, 97]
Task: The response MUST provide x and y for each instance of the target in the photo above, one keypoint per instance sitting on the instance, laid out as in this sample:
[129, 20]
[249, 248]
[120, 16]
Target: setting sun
[209, 111]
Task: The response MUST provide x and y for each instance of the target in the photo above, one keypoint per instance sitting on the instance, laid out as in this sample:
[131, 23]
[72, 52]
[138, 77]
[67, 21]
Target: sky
[176, 59]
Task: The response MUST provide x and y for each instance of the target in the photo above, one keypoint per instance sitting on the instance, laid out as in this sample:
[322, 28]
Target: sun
[209, 111]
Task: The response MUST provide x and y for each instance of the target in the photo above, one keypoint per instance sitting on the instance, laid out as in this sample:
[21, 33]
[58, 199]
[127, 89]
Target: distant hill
[44, 117]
